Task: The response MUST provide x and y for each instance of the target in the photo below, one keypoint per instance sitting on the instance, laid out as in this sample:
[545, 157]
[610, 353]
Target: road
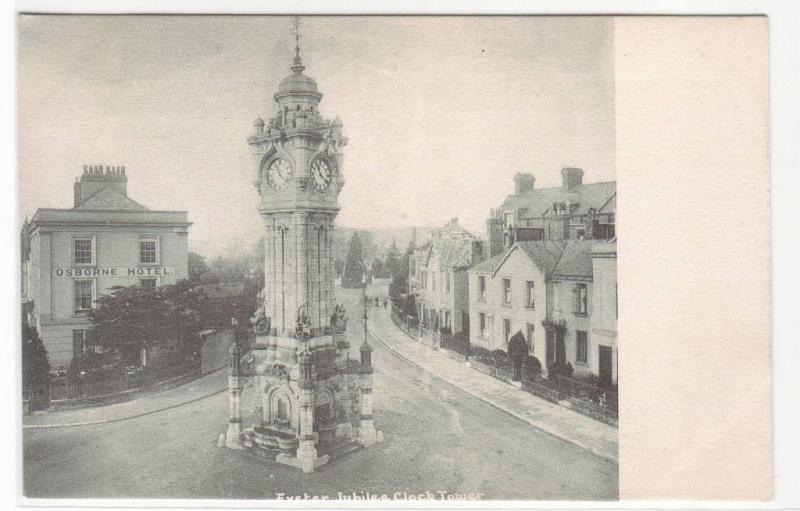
[437, 438]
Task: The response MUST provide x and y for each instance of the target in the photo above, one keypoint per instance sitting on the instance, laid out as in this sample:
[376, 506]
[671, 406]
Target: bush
[35, 364]
[531, 368]
[559, 369]
[458, 343]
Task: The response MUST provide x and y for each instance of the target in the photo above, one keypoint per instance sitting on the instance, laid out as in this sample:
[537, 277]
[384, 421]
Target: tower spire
[298, 63]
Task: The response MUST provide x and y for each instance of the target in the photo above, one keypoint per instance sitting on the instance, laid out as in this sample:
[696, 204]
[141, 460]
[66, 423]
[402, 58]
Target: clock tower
[297, 396]
[298, 174]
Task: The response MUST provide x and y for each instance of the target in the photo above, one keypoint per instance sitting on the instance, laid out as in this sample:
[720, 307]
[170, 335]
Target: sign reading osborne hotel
[132, 271]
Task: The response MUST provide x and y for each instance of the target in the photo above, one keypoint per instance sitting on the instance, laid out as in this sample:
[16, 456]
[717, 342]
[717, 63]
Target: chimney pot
[571, 177]
[523, 183]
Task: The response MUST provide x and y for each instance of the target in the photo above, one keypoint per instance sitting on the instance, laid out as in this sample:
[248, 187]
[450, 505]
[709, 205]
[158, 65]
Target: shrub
[458, 343]
[531, 368]
[559, 369]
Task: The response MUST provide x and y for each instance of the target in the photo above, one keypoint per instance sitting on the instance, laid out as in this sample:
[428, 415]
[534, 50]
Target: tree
[354, 268]
[393, 258]
[198, 269]
[136, 317]
[35, 363]
[399, 285]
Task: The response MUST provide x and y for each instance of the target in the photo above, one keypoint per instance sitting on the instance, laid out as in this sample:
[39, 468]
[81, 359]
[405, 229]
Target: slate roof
[110, 198]
[539, 202]
[571, 258]
[455, 253]
[576, 261]
[546, 254]
[489, 265]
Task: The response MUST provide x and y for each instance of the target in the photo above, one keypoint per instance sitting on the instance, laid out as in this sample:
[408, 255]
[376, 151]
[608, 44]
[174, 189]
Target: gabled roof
[489, 265]
[544, 254]
[453, 247]
[110, 198]
[610, 206]
[570, 258]
[539, 202]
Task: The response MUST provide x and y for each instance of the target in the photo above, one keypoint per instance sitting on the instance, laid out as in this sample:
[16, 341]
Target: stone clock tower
[298, 173]
[297, 396]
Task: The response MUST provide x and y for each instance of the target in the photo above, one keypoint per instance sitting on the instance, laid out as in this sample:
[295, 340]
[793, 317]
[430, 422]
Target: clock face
[279, 174]
[320, 174]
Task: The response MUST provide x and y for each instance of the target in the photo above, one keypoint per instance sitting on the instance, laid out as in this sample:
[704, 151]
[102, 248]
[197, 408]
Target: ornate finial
[298, 63]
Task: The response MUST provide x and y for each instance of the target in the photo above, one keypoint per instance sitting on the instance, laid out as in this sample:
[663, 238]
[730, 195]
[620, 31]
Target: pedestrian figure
[517, 351]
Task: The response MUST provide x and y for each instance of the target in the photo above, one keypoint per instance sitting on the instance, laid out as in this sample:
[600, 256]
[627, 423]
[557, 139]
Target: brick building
[72, 256]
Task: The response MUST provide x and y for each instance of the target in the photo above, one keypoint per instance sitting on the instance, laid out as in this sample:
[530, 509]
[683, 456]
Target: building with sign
[72, 256]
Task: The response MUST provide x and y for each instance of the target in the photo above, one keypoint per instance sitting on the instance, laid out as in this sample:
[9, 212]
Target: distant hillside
[377, 241]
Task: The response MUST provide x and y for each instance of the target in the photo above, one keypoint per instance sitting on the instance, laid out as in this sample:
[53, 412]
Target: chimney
[571, 177]
[591, 218]
[97, 177]
[523, 183]
[476, 255]
[494, 233]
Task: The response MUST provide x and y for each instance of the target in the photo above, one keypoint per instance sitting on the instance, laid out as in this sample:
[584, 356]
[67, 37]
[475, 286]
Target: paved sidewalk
[594, 436]
[145, 404]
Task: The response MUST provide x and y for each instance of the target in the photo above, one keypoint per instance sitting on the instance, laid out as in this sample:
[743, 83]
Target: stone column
[233, 434]
[307, 458]
[367, 435]
[301, 263]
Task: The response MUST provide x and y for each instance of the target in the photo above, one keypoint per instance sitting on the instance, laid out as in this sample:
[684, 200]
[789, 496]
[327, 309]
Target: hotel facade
[73, 256]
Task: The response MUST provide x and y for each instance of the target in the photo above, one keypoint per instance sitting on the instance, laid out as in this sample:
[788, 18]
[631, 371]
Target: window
[447, 283]
[507, 291]
[148, 283]
[482, 289]
[506, 329]
[83, 251]
[580, 297]
[581, 347]
[482, 323]
[529, 295]
[84, 295]
[530, 330]
[447, 320]
[433, 281]
[148, 250]
[78, 343]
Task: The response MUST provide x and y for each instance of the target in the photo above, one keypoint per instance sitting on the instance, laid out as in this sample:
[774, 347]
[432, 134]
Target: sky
[440, 112]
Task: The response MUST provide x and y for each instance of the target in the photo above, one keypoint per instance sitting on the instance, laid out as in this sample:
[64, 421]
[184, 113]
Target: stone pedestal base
[367, 434]
[233, 435]
[344, 430]
[307, 461]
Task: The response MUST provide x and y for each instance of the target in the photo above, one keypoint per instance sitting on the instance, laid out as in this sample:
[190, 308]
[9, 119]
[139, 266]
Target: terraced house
[546, 290]
[439, 272]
